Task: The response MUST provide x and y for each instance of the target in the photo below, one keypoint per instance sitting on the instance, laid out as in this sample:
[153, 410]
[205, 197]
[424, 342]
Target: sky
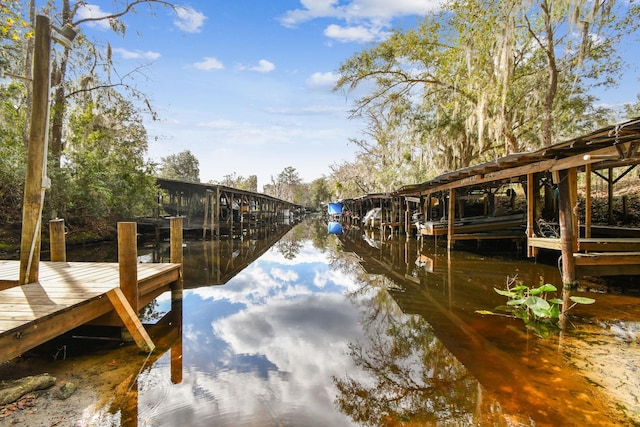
[246, 85]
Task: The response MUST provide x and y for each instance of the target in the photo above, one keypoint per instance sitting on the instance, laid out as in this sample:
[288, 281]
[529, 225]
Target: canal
[301, 327]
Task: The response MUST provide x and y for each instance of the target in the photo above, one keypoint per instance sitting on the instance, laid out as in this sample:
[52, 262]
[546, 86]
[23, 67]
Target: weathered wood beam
[567, 238]
[35, 178]
[552, 165]
[130, 319]
[451, 218]
[128, 261]
[587, 201]
[57, 242]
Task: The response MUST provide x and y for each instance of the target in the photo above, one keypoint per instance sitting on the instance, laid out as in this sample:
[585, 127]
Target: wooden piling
[35, 179]
[587, 201]
[451, 214]
[128, 261]
[176, 239]
[57, 241]
[531, 208]
[563, 179]
[176, 256]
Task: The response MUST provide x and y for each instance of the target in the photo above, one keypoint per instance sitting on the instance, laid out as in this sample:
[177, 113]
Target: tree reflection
[414, 378]
[291, 244]
[406, 375]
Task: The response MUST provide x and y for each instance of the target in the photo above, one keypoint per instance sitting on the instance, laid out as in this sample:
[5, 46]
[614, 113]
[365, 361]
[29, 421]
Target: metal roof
[611, 146]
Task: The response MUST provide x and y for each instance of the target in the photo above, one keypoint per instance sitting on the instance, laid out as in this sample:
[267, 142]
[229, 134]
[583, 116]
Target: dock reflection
[123, 403]
[469, 362]
[213, 262]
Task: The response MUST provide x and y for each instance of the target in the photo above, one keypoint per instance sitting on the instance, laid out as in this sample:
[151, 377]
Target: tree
[12, 161]
[285, 186]
[485, 78]
[241, 183]
[184, 166]
[319, 192]
[105, 170]
[68, 15]
[13, 30]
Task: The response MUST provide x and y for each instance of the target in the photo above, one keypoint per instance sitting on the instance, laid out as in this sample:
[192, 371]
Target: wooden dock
[71, 294]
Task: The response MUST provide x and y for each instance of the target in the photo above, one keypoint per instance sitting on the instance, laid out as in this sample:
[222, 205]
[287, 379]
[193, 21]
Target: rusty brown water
[301, 327]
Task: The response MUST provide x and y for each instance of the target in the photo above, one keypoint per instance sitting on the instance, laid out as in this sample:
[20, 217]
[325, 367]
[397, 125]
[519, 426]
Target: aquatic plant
[537, 307]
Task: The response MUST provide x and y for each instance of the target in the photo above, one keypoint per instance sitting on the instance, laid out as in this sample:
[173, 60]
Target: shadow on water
[314, 326]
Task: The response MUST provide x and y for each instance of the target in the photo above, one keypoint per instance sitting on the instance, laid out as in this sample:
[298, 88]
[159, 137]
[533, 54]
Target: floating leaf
[582, 300]
[484, 312]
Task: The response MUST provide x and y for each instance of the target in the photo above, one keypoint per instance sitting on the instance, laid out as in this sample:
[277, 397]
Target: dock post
[451, 215]
[128, 262]
[36, 181]
[176, 239]
[531, 210]
[587, 200]
[175, 255]
[57, 242]
[566, 180]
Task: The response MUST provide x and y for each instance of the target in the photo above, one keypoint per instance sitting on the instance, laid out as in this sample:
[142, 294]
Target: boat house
[532, 197]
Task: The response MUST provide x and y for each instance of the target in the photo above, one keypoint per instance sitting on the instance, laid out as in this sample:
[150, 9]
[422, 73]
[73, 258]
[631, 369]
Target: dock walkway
[69, 294]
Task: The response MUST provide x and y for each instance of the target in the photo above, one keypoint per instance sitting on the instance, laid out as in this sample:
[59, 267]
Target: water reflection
[312, 328]
[521, 379]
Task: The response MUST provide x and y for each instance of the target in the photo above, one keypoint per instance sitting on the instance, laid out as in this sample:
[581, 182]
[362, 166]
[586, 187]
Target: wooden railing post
[128, 262]
[175, 256]
[57, 242]
[175, 224]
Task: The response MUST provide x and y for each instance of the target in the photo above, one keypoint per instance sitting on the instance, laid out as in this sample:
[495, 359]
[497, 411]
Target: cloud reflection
[268, 343]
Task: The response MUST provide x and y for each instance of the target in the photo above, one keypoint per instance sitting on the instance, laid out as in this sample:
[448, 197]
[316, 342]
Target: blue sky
[246, 85]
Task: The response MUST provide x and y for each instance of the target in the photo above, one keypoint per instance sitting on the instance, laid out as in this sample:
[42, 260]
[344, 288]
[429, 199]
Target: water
[340, 330]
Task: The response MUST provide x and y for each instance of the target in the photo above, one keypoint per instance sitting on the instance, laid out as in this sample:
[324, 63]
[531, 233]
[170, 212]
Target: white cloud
[357, 34]
[209, 63]
[358, 10]
[127, 54]
[263, 66]
[189, 20]
[91, 11]
[284, 275]
[365, 19]
[322, 80]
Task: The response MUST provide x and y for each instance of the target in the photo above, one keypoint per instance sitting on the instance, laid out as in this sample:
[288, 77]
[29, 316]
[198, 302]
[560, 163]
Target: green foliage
[105, 174]
[536, 307]
[479, 80]
[241, 183]
[183, 166]
[12, 160]
[286, 186]
[320, 192]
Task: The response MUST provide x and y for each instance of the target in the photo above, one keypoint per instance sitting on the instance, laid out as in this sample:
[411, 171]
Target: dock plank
[68, 295]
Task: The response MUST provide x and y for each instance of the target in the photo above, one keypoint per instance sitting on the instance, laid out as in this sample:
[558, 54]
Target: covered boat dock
[532, 197]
